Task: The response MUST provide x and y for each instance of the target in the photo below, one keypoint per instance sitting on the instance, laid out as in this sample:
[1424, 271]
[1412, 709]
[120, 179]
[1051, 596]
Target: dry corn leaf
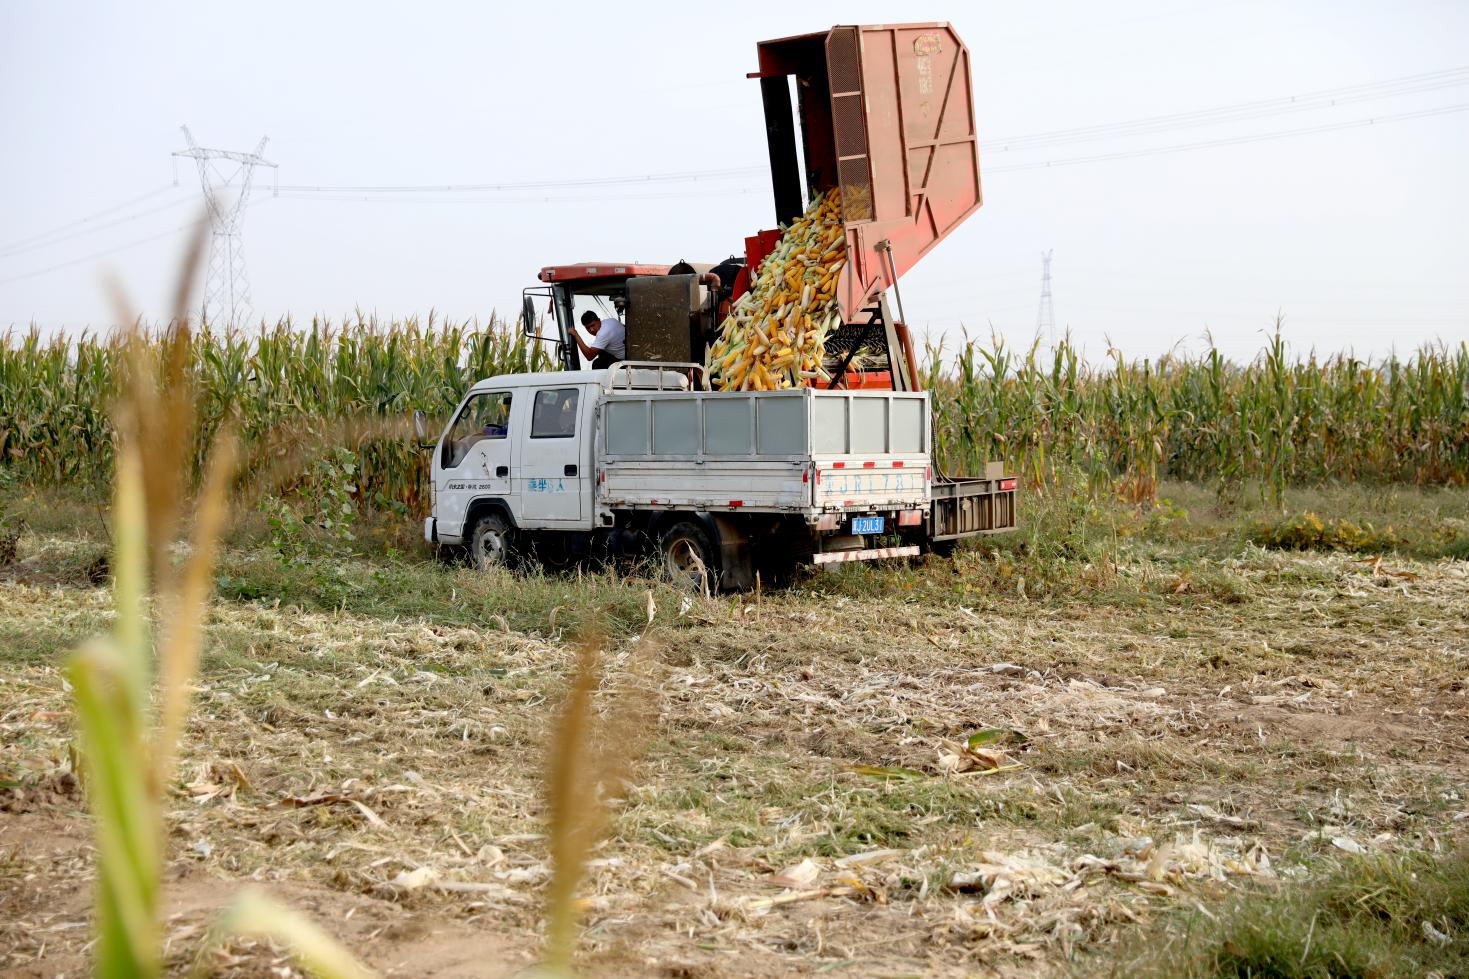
[803, 874]
[412, 880]
[888, 771]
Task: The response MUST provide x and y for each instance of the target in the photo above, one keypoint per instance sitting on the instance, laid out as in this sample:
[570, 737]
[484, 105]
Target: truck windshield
[485, 416]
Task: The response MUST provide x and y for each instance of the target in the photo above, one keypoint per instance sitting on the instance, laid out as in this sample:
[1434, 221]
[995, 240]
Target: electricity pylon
[1045, 316]
[226, 192]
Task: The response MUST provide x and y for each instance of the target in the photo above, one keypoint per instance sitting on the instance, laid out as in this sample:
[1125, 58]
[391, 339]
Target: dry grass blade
[112, 680]
[575, 815]
[588, 754]
[254, 915]
[182, 640]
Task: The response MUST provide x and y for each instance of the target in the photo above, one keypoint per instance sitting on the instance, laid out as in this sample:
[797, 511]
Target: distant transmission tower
[1045, 317]
[226, 192]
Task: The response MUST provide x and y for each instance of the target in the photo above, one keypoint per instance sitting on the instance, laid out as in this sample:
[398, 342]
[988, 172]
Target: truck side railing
[662, 369]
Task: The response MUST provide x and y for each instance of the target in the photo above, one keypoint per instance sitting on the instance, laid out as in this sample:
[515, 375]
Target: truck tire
[489, 542]
[688, 556]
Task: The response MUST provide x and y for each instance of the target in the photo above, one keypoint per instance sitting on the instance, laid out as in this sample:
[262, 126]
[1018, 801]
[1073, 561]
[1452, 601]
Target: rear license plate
[867, 525]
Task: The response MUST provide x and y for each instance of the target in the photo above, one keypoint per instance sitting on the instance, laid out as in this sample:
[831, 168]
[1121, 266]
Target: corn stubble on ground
[887, 771]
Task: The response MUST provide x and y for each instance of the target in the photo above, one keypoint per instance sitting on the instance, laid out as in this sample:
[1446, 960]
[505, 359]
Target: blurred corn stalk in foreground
[133, 689]
[588, 758]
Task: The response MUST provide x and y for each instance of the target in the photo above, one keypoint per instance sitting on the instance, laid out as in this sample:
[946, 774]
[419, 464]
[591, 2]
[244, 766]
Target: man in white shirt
[609, 340]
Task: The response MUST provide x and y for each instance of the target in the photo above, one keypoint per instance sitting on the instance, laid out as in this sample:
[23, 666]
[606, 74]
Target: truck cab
[518, 442]
[523, 446]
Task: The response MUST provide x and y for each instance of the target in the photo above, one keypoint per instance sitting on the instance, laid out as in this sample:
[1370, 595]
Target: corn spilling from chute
[775, 336]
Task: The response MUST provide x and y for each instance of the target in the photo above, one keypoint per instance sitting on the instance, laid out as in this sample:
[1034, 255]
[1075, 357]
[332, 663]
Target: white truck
[643, 458]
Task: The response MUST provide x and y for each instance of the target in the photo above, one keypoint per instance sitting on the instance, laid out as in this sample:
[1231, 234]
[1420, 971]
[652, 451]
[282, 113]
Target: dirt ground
[804, 797]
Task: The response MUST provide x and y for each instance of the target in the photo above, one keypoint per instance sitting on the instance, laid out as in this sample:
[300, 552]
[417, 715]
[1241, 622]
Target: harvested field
[1192, 719]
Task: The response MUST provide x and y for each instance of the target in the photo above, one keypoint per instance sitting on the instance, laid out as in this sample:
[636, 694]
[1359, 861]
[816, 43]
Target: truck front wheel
[688, 555]
[489, 542]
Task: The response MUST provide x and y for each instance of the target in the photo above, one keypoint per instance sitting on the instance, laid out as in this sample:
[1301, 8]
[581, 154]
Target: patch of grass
[25, 644]
[1372, 918]
[1422, 522]
[1143, 759]
[446, 594]
[72, 511]
[1309, 532]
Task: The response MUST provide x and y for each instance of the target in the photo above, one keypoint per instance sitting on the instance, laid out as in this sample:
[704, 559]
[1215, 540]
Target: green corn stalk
[301, 391]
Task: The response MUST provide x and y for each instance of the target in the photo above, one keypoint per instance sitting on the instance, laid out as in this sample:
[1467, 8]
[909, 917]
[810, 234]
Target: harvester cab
[668, 310]
[886, 114]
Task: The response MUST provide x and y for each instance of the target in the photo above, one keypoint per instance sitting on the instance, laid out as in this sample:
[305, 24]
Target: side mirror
[528, 315]
[420, 430]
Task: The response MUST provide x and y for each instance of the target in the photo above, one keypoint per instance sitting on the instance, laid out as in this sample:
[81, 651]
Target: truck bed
[774, 451]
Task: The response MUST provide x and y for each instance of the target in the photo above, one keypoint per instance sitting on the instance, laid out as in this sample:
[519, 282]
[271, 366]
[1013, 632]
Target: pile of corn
[775, 337]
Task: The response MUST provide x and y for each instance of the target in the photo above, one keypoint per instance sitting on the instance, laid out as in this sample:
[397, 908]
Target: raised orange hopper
[887, 113]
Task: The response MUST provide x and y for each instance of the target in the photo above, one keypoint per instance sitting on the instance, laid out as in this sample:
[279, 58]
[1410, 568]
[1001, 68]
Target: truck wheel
[489, 542]
[688, 555]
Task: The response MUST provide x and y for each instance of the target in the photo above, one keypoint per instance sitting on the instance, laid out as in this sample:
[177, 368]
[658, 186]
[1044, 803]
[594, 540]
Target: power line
[138, 243]
[103, 254]
[290, 194]
[91, 217]
[544, 199]
[367, 192]
[1229, 141]
[647, 178]
[92, 229]
[1323, 99]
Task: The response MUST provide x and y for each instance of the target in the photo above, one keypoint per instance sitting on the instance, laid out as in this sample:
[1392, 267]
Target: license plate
[867, 525]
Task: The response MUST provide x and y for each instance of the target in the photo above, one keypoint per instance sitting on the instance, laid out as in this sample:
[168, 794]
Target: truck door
[475, 458]
[552, 479]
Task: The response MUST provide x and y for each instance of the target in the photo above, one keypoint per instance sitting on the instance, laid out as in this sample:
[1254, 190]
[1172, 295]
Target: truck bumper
[430, 530]
[869, 554]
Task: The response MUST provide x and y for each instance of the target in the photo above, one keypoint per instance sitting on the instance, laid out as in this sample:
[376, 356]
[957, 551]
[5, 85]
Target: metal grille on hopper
[843, 61]
[856, 186]
[847, 126]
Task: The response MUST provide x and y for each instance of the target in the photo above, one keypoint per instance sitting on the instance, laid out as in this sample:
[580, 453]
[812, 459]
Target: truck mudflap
[866, 554]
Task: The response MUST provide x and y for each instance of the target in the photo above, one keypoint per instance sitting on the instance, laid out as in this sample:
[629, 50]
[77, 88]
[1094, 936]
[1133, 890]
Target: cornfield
[1273, 422]
[1125, 424]
[293, 392]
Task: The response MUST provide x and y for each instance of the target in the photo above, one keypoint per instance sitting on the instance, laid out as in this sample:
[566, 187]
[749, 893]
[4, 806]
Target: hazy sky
[1358, 236]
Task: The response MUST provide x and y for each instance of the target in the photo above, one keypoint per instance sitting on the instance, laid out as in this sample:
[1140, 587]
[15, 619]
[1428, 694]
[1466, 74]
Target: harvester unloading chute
[886, 114]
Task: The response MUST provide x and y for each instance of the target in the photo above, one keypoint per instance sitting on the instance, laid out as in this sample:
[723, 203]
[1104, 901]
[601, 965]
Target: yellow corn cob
[775, 336]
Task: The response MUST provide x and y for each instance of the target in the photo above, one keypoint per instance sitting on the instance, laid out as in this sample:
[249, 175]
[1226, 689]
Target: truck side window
[553, 414]
[485, 416]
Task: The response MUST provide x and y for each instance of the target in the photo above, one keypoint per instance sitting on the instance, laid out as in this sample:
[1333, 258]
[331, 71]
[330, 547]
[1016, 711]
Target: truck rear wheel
[489, 542]
[688, 556]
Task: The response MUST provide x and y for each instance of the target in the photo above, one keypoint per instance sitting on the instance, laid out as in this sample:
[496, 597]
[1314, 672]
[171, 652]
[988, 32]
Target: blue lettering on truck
[843, 483]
